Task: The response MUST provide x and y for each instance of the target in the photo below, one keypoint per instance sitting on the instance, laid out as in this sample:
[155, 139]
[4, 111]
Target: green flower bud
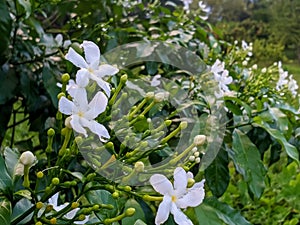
[115, 195]
[65, 78]
[50, 132]
[53, 220]
[40, 175]
[74, 205]
[39, 205]
[183, 125]
[61, 94]
[139, 166]
[130, 211]
[38, 223]
[55, 181]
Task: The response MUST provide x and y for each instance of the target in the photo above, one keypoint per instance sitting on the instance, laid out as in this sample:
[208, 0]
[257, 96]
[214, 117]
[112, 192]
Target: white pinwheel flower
[222, 78]
[71, 214]
[90, 67]
[292, 85]
[186, 4]
[177, 197]
[82, 114]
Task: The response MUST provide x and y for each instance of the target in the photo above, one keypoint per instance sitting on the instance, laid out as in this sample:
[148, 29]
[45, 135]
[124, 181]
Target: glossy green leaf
[280, 118]
[5, 28]
[214, 212]
[5, 179]
[11, 159]
[5, 211]
[290, 149]
[217, 174]
[247, 161]
[138, 215]
[21, 207]
[103, 197]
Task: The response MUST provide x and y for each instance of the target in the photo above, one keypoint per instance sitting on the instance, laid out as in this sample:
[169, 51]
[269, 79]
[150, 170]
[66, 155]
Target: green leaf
[103, 197]
[24, 193]
[50, 84]
[8, 84]
[11, 159]
[247, 161]
[27, 7]
[5, 28]
[214, 212]
[290, 149]
[20, 208]
[217, 174]
[5, 179]
[280, 118]
[138, 215]
[5, 211]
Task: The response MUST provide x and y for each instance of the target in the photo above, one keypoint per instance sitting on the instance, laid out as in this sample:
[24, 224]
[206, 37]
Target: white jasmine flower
[83, 114]
[186, 4]
[90, 67]
[221, 76]
[177, 197]
[203, 7]
[71, 214]
[282, 78]
[155, 81]
[292, 86]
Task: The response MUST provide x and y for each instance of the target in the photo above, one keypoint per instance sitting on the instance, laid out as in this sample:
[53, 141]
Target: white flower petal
[65, 106]
[76, 59]
[105, 70]
[82, 78]
[80, 99]
[77, 126]
[161, 184]
[180, 181]
[70, 215]
[102, 84]
[96, 106]
[96, 128]
[163, 211]
[179, 216]
[193, 197]
[53, 200]
[83, 221]
[91, 52]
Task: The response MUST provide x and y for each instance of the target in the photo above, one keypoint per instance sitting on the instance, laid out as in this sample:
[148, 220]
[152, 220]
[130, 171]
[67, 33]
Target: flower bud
[149, 95]
[139, 166]
[39, 205]
[74, 205]
[68, 122]
[38, 223]
[183, 125]
[65, 78]
[192, 158]
[199, 139]
[197, 160]
[27, 158]
[115, 195]
[50, 132]
[61, 94]
[53, 220]
[191, 182]
[55, 181]
[40, 174]
[130, 211]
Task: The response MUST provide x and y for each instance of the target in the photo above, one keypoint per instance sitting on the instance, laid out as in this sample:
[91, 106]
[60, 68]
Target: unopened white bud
[197, 160]
[264, 70]
[199, 139]
[161, 96]
[27, 158]
[139, 166]
[195, 149]
[254, 67]
[236, 42]
[196, 154]
[68, 122]
[245, 63]
[192, 158]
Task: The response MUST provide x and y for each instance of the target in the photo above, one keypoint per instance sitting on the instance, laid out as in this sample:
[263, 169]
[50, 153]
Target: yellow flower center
[90, 70]
[174, 198]
[81, 114]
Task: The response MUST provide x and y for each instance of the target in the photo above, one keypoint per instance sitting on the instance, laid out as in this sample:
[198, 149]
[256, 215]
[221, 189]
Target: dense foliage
[234, 124]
